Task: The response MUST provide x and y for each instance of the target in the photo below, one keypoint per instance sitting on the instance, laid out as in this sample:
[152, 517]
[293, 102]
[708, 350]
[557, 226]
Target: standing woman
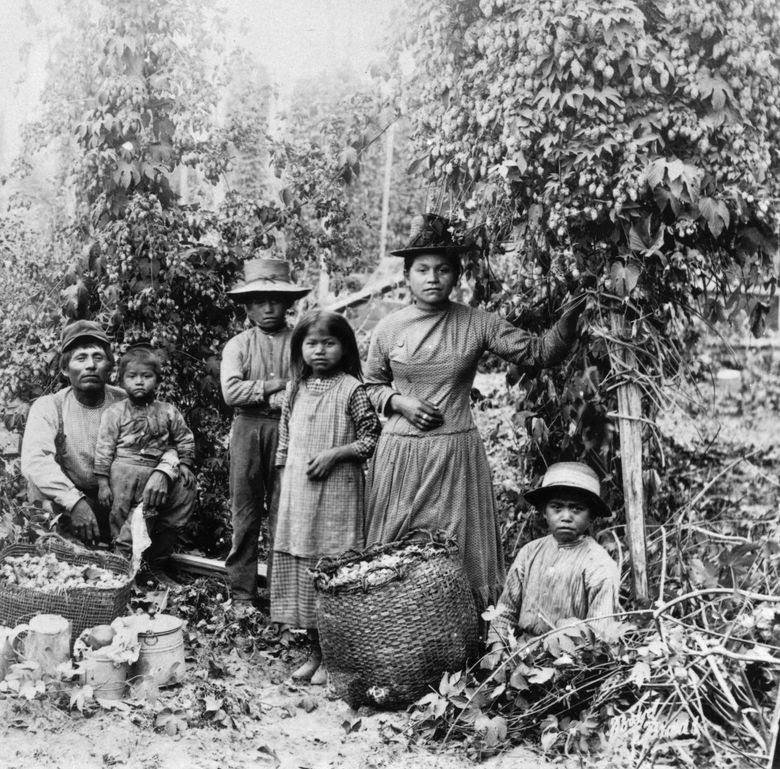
[430, 469]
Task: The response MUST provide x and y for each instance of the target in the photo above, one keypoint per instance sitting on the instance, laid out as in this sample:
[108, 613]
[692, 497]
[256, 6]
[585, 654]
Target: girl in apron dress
[328, 429]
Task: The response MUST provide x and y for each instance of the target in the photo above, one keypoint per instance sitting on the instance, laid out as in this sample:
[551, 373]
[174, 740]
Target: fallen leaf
[308, 704]
[350, 725]
[268, 756]
[541, 675]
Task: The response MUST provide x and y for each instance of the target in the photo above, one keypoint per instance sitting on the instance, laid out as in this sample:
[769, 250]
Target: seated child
[134, 435]
[567, 574]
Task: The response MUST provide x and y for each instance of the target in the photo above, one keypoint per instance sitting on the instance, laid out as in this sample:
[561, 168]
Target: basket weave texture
[83, 606]
[387, 644]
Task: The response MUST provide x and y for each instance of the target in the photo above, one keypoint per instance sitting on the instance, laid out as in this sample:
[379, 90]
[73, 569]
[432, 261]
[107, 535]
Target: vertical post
[323, 285]
[630, 427]
[389, 136]
[774, 753]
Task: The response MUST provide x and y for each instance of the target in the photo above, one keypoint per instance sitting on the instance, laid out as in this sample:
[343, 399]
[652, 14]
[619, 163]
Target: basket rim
[435, 539]
[5, 587]
[397, 574]
[113, 563]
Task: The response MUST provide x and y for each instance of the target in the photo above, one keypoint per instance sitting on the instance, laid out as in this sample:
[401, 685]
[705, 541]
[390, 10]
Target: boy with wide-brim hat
[254, 372]
[566, 575]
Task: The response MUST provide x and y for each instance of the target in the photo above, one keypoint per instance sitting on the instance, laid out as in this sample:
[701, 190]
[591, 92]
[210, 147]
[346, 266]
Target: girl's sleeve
[107, 439]
[529, 352]
[366, 422]
[283, 442]
[379, 375]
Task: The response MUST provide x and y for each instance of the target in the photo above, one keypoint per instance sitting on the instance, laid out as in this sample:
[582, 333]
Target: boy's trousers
[252, 476]
[128, 480]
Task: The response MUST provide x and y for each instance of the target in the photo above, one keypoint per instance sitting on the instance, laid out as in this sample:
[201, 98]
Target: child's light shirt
[248, 361]
[550, 582]
[142, 434]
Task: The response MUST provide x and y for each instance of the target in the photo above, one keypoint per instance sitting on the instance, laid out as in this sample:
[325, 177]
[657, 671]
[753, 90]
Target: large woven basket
[385, 644]
[83, 606]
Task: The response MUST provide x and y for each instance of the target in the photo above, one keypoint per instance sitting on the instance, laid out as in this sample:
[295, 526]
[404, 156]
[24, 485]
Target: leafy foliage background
[169, 179]
[625, 149]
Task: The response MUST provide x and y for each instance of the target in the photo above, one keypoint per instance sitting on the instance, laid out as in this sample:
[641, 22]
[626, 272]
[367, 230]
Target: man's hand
[187, 476]
[83, 522]
[156, 490]
[105, 497]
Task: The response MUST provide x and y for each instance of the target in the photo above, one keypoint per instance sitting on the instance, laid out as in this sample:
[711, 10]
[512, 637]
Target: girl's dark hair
[144, 356]
[452, 257]
[335, 325]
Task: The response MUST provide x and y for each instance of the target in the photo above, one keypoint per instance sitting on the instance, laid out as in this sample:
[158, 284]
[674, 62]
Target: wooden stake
[386, 189]
[774, 736]
[630, 427]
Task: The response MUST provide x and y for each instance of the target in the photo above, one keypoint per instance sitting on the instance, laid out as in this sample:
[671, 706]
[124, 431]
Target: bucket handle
[149, 635]
[15, 637]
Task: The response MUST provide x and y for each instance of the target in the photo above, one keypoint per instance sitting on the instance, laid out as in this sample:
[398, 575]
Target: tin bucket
[161, 657]
[46, 641]
[107, 678]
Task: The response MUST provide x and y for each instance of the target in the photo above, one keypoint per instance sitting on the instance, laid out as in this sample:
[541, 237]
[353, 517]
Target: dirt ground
[281, 733]
[273, 723]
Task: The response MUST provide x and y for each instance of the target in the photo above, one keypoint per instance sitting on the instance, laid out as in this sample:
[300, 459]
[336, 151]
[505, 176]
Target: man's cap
[84, 330]
[570, 476]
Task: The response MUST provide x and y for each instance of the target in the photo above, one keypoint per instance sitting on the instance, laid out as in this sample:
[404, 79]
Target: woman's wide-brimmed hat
[267, 276]
[570, 476]
[430, 234]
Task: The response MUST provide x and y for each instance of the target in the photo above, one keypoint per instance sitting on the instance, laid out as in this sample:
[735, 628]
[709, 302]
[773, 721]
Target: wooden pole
[774, 753]
[389, 137]
[630, 427]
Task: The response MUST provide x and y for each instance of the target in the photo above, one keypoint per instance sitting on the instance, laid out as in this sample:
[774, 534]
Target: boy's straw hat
[268, 276]
[570, 476]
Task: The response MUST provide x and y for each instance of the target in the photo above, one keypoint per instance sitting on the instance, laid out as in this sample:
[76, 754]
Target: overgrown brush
[701, 668]
[690, 681]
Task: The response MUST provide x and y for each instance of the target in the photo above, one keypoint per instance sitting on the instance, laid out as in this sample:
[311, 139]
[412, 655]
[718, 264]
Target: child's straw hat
[267, 276]
[570, 476]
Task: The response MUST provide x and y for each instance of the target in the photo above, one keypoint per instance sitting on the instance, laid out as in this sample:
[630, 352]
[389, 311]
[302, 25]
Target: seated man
[60, 437]
[567, 574]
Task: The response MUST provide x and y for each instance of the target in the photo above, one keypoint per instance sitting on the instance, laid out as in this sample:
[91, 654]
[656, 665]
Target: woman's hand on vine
[572, 311]
[421, 413]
